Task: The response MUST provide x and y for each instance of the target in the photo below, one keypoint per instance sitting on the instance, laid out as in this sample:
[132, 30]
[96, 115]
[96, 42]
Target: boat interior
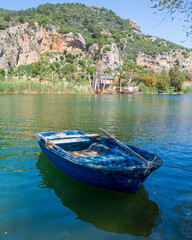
[91, 148]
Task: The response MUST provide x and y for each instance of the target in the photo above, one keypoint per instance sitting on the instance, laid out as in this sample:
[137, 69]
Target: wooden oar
[123, 146]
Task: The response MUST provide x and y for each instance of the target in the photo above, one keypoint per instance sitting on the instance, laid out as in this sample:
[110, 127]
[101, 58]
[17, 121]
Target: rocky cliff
[165, 61]
[111, 57]
[22, 45]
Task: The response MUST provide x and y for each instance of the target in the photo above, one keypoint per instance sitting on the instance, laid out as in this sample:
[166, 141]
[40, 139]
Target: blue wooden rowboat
[99, 162]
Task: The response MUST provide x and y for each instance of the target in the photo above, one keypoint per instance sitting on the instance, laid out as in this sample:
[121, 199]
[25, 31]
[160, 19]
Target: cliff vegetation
[70, 44]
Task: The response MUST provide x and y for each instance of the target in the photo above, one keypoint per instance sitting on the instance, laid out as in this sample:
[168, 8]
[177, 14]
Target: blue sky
[138, 10]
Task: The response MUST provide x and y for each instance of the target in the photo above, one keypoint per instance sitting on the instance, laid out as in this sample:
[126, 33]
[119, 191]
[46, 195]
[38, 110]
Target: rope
[155, 196]
[184, 169]
[166, 165]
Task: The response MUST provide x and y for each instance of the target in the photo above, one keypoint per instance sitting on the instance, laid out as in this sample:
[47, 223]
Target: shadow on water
[109, 211]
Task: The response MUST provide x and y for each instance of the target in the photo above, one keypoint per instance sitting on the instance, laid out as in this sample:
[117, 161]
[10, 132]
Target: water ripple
[38, 201]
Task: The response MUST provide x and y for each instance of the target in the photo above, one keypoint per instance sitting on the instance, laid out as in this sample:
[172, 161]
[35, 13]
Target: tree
[149, 81]
[161, 84]
[108, 70]
[86, 21]
[21, 19]
[189, 77]
[177, 62]
[7, 18]
[96, 33]
[177, 78]
[174, 8]
[3, 26]
[165, 76]
[37, 70]
[82, 62]
[2, 73]
[125, 79]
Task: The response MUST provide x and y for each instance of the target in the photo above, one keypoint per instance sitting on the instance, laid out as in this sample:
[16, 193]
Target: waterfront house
[103, 82]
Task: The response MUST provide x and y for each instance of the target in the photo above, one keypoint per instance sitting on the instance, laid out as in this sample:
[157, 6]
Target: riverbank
[36, 87]
[33, 87]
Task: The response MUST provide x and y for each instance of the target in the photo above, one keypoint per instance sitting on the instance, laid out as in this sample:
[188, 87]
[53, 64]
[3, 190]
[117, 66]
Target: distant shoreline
[34, 88]
[87, 93]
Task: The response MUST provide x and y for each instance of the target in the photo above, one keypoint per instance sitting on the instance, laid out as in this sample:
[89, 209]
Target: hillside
[75, 41]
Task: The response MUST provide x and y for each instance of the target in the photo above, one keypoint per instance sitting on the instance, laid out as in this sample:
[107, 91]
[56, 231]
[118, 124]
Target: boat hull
[118, 180]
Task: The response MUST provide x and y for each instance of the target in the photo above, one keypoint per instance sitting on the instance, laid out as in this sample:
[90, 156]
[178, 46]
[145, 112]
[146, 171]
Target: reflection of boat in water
[109, 211]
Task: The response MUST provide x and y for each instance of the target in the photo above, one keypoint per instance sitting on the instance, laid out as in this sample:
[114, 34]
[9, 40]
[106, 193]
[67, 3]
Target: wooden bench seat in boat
[74, 140]
[65, 136]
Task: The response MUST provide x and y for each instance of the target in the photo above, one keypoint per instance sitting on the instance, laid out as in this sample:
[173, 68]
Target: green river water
[39, 202]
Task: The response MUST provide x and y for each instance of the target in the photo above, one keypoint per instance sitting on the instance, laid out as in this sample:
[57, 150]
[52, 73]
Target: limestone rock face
[135, 24]
[165, 61]
[136, 27]
[93, 49]
[22, 45]
[16, 47]
[111, 57]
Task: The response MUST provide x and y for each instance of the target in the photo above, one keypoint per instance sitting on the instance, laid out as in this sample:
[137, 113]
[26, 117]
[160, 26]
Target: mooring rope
[155, 196]
[166, 165]
[184, 169]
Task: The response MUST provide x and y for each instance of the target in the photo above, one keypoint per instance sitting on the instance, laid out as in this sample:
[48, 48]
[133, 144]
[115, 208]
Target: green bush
[149, 90]
[141, 86]
[161, 84]
[188, 89]
[2, 73]
[3, 26]
[82, 62]
[7, 18]
[2, 86]
[185, 54]
[106, 49]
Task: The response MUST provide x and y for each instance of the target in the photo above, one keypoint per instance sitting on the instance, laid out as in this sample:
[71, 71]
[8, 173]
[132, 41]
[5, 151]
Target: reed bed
[32, 87]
